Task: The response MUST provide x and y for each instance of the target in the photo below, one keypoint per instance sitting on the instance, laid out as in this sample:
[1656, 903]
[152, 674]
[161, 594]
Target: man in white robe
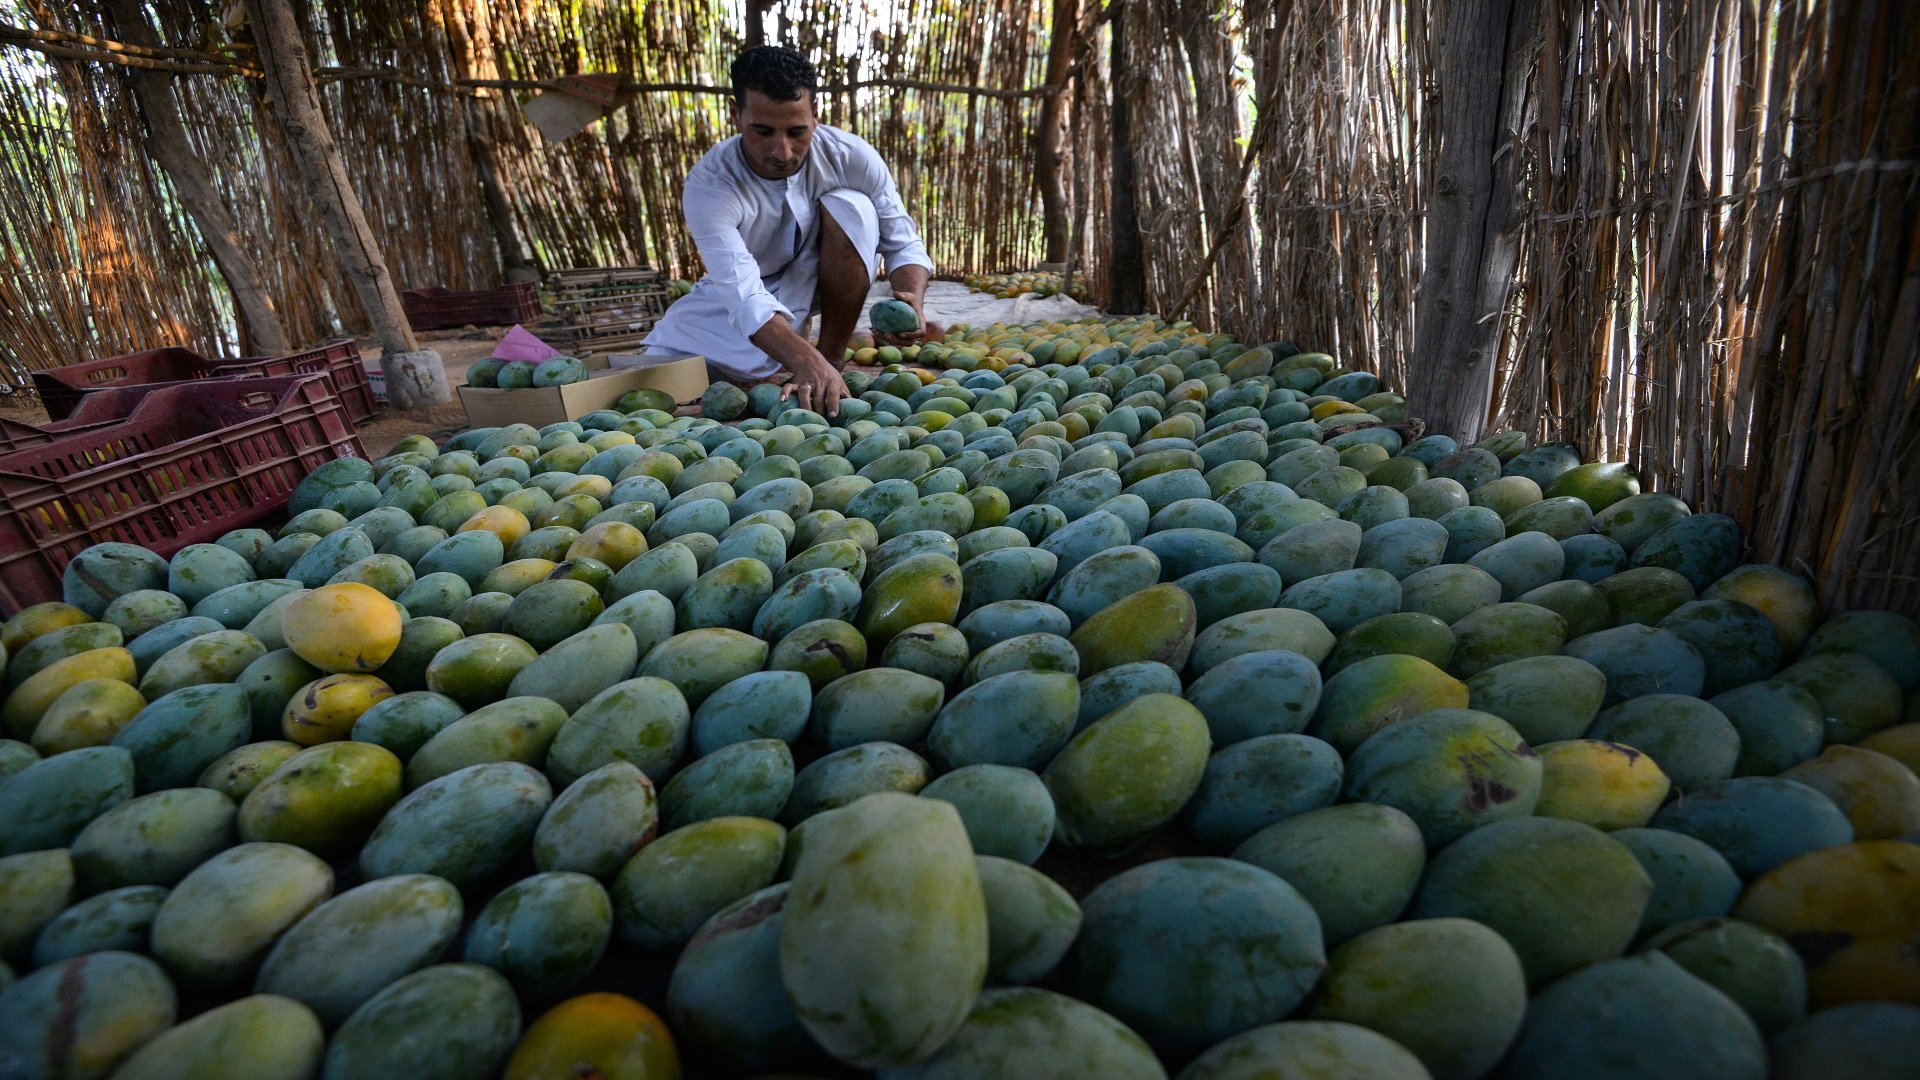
[790, 216]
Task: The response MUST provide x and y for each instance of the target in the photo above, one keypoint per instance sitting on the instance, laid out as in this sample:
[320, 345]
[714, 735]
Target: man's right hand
[817, 384]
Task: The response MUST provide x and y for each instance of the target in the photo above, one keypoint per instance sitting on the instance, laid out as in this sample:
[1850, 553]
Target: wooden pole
[415, 376]
[1050, 155]
[1481, 61]
[166, 141]
[462, 31]
[1126, 268]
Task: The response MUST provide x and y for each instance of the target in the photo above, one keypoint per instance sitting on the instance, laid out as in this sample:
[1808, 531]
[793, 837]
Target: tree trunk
[1473, 221]
[461, 32]
[1126, 269]
[414, 376]
[1050, 156]
[167, 143]
[756, 23]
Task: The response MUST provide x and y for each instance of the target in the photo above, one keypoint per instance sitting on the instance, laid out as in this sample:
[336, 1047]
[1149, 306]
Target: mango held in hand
[347, 627]
[894, 317]
[884, 945]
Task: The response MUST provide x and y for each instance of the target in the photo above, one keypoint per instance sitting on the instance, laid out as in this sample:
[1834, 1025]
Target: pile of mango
[1037, 282]
[495, 373]
[1144, 708]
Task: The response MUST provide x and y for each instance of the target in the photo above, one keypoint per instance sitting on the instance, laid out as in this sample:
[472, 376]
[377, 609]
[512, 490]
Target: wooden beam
[1484, 52]
[414, 376]
[167, 143]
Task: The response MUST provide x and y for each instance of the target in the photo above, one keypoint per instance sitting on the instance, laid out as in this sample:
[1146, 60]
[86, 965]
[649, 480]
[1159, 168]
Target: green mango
[698, 662]
[237, 606]
[463, 827]
[1129, 772]
[444, 1022]
[155, 839]
[543, 932]
[845, 776]
[572, 672]
[262, 1036]
[236, 773]
[219, 921]
[121, 919]
[35, 886]
[597, 822]
[174, 739]
[513, 729]
[352, 946]
[644, 720]
[885, 941]
[673, 885]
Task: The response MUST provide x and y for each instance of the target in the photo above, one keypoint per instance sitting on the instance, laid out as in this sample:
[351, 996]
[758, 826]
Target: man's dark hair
[781, 74]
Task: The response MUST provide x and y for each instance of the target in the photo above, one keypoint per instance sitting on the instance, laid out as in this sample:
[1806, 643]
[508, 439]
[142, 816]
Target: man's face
[775, 134]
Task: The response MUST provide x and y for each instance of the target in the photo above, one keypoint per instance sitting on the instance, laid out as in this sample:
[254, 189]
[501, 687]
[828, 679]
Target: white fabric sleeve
[714, 216]
[900, 243]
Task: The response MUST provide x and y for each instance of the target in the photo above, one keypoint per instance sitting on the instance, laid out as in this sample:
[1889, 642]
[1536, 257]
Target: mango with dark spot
[826, 649]
[82, 1017]
[1451, 770]
[725, 998]
[1692, 742]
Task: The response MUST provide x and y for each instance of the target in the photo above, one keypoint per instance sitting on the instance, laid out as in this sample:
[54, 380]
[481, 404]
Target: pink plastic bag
[520, 344]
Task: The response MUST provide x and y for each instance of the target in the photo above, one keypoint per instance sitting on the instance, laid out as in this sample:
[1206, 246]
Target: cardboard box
[682, 377]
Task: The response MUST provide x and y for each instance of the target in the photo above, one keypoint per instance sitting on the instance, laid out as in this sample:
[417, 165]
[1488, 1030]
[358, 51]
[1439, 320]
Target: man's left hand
[925, 332]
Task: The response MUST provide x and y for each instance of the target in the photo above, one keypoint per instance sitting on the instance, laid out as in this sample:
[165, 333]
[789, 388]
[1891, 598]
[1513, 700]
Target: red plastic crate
[436, 308]
[191, 462]
[96, 409]
[340, 359]
[61, 389]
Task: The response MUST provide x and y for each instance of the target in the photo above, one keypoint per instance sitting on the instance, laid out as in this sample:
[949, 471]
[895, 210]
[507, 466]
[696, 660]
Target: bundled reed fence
[81, 281]
[1717, 276]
